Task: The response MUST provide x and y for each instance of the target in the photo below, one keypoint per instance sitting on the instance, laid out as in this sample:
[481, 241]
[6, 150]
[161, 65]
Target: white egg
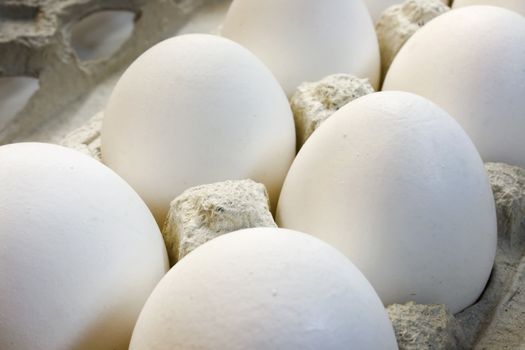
[377, 7]
[393, 182]
[515, 5]
[306, 40]
[471, 62]
[197, 109]
[264, 288]
[79, 251]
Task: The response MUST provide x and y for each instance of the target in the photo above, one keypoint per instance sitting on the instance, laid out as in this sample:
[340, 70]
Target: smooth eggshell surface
[264, 288]
[393, 182]
[515, 5]
[306, 40]
[471, 62]
[79, 251]
[193, 110]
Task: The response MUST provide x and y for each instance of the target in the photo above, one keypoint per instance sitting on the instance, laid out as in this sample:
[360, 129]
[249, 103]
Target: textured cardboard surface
[35, 41]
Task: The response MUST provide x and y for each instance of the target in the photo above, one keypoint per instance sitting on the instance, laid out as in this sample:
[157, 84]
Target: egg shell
[306, 40]
[264, 288]
[193, 110]
[471, 62]
[79, 251]
[393, 182]
[514, 5]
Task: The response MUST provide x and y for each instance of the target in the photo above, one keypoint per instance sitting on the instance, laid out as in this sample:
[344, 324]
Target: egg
[306, 40]
[264, 288]
[471, 62]
[79, 251]
[193, 110]
[515, 5]
[394, 183]
[377, 7]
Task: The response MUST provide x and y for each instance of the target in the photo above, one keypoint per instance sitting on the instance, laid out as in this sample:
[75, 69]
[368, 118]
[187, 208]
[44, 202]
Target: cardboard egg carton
[34, 41]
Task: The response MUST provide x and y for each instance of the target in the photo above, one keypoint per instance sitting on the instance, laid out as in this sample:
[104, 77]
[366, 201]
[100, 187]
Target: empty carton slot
[101, 34]
[15, 92]
[20, 18]
[18, 12]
